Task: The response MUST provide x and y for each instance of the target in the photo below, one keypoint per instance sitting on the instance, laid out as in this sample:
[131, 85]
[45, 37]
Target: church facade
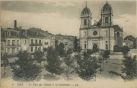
[103, 35]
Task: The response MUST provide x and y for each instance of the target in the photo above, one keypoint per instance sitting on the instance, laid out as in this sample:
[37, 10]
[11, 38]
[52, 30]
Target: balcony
[98, 37]
[36, 44]
[12, 45]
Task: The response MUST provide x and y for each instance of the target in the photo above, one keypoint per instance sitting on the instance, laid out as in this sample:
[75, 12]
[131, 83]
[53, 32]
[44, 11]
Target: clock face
[95, 33]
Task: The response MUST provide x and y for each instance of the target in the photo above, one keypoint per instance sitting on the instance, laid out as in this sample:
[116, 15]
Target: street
[109, 68]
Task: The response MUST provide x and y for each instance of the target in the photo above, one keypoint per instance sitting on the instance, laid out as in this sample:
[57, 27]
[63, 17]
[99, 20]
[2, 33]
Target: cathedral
[103, 34]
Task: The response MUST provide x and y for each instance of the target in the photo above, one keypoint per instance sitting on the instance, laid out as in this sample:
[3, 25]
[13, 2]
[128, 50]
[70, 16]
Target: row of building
[16, 39]
[103, 35]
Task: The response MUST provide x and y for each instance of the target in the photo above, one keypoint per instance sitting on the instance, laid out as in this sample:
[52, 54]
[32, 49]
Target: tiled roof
[36, 32]
[86, 11]
[107, 7]
[26, 33]
[117, 28]
[130, 37]
[59, 36]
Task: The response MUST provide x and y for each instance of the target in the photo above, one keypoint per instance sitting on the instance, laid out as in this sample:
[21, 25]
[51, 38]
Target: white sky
[63, 16]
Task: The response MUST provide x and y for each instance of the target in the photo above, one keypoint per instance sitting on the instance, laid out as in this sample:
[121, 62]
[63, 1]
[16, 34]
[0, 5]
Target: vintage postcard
[68, 43]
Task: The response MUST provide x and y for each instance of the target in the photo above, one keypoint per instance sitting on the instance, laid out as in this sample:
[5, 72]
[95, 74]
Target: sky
[63, 16]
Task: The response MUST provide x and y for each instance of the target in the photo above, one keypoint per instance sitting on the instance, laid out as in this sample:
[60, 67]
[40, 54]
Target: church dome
[107, 8]
[86, 12]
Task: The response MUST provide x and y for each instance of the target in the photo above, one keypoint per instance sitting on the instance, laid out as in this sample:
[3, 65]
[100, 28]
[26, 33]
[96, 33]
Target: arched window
[118, 34]
[85, 22]
[106, 19]
[106, 46]
[95, 48]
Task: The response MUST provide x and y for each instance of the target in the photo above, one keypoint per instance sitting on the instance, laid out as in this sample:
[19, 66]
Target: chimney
[15, 24]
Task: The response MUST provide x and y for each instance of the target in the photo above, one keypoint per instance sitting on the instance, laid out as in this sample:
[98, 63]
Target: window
[8, 43]
[106, 19]
[36, 41]
[31, 41]
[95, 47]
[106, 33]
[13, 42]
[46, 43]
[118, 34]
[85, 45]
[85, 22]
[106, 46]
[13, 50]
[39, 41]
[8, 50]
[39, 48]
[31, 49]
[36, 48]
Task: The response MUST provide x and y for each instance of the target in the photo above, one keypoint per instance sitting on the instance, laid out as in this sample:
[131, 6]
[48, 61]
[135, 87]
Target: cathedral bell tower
[85, 25]
[106, 15]
[85, 18]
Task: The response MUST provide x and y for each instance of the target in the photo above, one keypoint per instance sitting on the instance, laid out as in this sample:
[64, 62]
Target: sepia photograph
[68, 44]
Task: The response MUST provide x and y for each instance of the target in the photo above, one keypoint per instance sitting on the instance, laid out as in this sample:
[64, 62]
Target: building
[10, 40]
[103, 35]
[17, 39]
[130, 41]
[39, 39]
[68, 41]
[133, 52]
